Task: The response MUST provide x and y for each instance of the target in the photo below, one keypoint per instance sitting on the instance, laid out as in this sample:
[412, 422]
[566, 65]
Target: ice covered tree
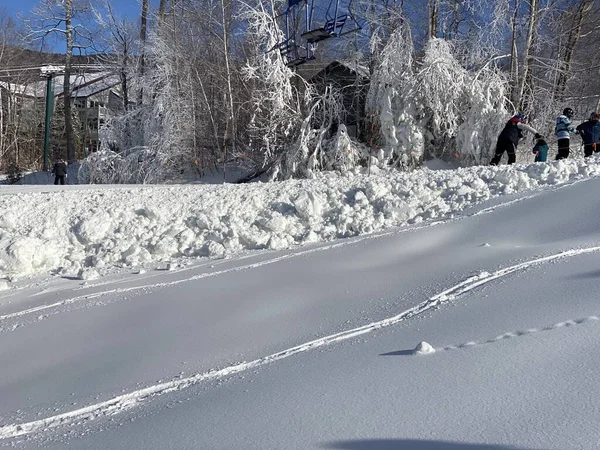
[393, 103]
[279, 98]
[486, 93]
[441, 86]
[188, 93]
[294, 127]
[435, 107]
[463, 110]
[119, 57]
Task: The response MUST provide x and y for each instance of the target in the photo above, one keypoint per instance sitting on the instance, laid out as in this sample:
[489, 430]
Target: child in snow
[540, 150]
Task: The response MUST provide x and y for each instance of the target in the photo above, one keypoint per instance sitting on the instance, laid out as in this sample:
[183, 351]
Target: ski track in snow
[46, 286]
[46, 307]
[174, 282]
[135, 398]
[125, 290]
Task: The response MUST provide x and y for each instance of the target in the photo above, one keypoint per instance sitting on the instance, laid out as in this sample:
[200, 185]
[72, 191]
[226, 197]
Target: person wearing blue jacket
[563, 131]
[590, 134]
[540, 150]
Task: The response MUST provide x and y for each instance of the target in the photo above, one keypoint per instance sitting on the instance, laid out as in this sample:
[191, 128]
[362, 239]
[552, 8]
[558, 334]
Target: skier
[590, 134]
[60, 171]
[540, 150]
[509, 138]
[563, 129]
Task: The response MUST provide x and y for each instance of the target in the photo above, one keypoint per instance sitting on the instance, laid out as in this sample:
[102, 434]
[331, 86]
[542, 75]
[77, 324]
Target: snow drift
[82, 232]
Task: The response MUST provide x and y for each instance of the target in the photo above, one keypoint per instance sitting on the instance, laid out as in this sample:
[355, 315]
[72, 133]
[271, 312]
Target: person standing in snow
[540, 150]
[563, 130]
[60, 171]
[590, 134]
[509, 139]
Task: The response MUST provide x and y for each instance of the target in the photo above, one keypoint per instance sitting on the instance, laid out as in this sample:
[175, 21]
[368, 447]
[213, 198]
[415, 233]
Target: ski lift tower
[307, 22]
[48, 72]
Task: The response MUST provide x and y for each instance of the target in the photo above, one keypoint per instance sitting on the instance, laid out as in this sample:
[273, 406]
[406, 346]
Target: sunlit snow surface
[289, 338]
[77, 232]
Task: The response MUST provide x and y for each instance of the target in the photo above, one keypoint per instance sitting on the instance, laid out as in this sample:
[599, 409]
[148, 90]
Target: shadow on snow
[410, 444]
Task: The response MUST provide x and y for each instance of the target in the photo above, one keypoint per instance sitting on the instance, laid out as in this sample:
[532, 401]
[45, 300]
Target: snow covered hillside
[309, 346]
[86, 231]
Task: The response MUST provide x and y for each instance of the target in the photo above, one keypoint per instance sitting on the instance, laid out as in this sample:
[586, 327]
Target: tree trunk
[67, 81]
[525, 88]
[161, 12]
[2, 131]
[143, 34]
[514, 57]
[573, 38]
[456, 18]
[230, 129]
[433, 7]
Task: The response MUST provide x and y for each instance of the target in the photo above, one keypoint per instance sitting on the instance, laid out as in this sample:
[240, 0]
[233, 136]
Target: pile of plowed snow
[69, 231]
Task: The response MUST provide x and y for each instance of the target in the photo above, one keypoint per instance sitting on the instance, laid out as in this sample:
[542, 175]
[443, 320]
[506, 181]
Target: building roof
[352, 66]
[82, 85]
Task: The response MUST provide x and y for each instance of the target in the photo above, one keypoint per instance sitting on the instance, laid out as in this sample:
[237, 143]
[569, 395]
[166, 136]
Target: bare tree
[143, 38]
[524, 88]
[574, 34]
[51, 19]
[19, 114]
[121, 45]
[433, 8]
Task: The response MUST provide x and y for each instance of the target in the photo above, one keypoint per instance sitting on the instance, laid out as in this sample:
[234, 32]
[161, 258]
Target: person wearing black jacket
[590, 134]
[509, 138]
[60, 171]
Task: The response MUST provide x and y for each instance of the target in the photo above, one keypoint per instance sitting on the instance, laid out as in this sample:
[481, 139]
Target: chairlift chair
[293, 53]
[334, 24]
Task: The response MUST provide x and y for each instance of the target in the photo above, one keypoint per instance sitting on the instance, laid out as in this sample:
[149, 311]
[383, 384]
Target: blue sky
[131, 8]
[23, 8]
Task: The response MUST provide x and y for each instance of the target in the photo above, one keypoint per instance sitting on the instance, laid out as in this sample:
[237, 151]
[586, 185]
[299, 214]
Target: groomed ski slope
[311, 347]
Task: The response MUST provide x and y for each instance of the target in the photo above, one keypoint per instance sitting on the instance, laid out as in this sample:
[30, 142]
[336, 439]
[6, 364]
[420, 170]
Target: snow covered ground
[269, 332]
[86, 231]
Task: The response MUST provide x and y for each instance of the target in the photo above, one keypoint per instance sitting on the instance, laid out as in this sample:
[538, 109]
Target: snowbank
[37, 178]
[84, 231]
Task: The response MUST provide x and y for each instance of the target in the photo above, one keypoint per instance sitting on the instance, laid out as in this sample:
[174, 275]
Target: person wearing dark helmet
[563, 131]
[590, 134]
[509, 139]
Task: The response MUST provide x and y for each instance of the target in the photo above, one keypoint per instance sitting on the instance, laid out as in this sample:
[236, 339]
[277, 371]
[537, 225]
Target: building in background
[352, 81]
[93, 93]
